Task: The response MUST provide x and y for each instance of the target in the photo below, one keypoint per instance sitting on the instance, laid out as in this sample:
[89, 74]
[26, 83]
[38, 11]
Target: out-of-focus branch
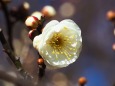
[8, 22]
[8, 50]
[6, 1]
[17, 81]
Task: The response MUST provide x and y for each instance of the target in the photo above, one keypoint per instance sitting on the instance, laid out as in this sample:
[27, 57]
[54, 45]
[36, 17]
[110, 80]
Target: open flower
[60, 42]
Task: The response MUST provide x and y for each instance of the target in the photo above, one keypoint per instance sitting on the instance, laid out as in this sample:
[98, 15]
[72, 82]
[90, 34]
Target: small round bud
[32, 34]
[37, 14]
[32, 22]
[82, 81]
[26, 5]
[40, 61]
[111, 16]
[49, 11]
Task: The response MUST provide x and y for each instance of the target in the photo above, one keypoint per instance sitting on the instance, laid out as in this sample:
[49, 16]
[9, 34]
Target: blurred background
[97, 58]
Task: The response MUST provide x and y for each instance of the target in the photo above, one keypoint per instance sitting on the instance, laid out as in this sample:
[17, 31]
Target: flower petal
[36, 41]
[71, 25]
[50, 24]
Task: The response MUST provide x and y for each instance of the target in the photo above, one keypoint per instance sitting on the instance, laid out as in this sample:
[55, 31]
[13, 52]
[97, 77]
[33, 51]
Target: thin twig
[8, 22]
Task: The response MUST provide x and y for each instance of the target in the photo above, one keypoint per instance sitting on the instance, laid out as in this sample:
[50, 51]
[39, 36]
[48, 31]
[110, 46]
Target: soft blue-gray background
[97, 59]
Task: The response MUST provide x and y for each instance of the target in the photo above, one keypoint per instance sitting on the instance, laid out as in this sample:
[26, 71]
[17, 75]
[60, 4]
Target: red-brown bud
[82, 81]
[40, 61]
[32, 34]
[111, 16]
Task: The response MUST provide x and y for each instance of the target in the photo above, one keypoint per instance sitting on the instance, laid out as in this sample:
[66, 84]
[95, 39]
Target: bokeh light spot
[67, 10]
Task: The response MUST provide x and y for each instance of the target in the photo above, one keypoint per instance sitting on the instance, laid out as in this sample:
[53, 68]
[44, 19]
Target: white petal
[53, 59]
[36, 41]
[49, 25]
[71, 25]
[45, 37]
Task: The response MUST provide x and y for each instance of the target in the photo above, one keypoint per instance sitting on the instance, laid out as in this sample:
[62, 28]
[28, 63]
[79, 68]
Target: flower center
[63, 43]
[56, 41]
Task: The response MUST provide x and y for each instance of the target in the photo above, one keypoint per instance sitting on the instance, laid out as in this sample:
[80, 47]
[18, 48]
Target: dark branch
[9, 51]
[8, 22]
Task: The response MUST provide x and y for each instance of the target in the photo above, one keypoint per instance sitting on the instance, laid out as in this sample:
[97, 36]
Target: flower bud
[26, 5]
[82, 81]
[32, 22]
[37, 14]
[40, 61]
[111, 16]
[32, 34]
[48, 11]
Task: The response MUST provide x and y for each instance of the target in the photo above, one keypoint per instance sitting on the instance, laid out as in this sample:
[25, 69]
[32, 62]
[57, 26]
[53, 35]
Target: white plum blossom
[60, 43]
